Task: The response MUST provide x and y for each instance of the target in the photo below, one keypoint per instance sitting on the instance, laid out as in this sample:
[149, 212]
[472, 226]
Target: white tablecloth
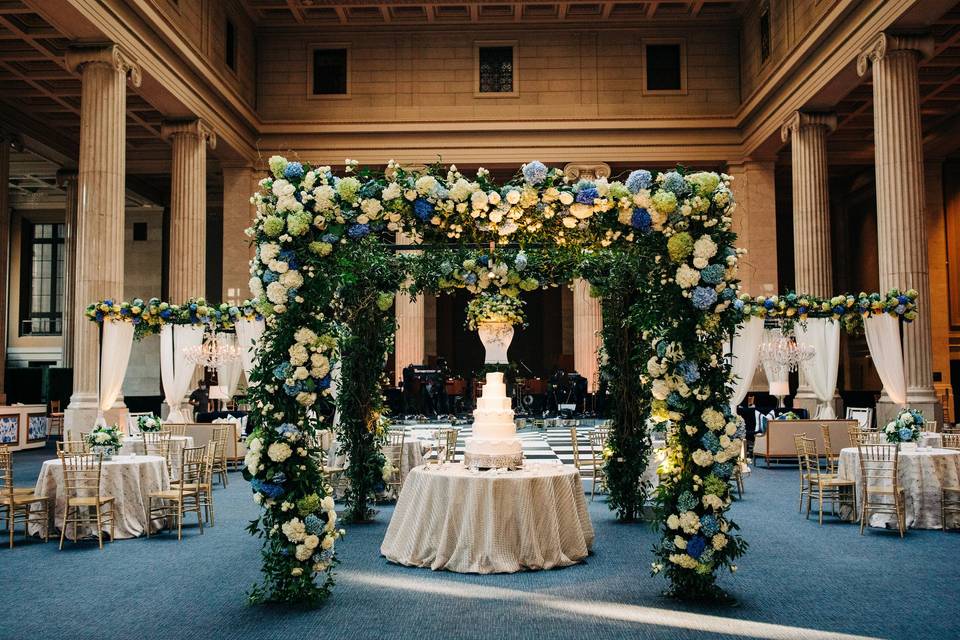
[931, 440]
[134, 444]
[448, 517]
[922, 473]
[128, 479]
[411, 456]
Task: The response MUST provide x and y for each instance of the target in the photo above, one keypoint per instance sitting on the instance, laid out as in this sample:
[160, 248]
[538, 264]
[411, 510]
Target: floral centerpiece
[149, 424]
[494, 308]
[104, 440]
[906, 427]
[789, 415]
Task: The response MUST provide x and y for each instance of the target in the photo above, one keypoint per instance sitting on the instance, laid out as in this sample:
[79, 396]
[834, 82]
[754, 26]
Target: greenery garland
[148, 316]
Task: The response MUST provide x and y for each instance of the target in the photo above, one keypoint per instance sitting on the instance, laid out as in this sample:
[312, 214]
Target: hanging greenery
[148, 316]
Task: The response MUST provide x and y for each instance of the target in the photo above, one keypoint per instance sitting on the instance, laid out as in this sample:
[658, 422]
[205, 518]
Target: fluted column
[188, 207]
[587, 316]
[100, 192]
[901, 224]
[411, 326]
[807, 134]
[7, 140]
[67, 180]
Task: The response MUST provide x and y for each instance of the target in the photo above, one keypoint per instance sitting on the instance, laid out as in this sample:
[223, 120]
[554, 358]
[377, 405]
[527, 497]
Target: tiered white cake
[494, 443]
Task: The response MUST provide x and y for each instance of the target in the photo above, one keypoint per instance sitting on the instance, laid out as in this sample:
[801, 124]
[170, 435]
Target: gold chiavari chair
[331, 473]
[206, 485]
[951, 441]
[833, 459]
[158, 444]
[16, 505]
[450, 452]
[444, 445]
[930, 426]
[880, 483]
[81, 478]
[393, 451]
[585, 467]
[182, 498]
[949, 494]
[72, 446]
[175, 429]
[598, 441]
[951, 429]
[827, 487]
[804, 487]
[218, 441]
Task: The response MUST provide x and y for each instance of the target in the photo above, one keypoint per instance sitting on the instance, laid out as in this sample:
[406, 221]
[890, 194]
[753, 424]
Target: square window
[231, 45]
[139, 231]
[496, 69]
[329, 72]
[664, 67]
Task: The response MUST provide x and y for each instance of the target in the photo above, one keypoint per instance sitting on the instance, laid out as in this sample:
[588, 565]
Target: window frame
[682, 43]
[765, 9]
[483, 44]
[326, 46]
[229, 24]
[58, 250]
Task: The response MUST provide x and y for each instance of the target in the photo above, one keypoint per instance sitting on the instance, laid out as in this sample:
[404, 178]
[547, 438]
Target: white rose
[327, 543]
[392, 192]
[513, 196]
[478, 199]
[566, 198]
[327, 504]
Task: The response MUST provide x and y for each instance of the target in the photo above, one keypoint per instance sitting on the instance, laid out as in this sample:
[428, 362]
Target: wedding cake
[494, 443]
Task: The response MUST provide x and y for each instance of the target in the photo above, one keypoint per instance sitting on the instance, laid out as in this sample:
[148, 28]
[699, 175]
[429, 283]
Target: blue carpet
[798, 580]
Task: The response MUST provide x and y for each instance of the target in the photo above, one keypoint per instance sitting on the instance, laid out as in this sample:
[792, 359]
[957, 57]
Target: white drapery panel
[248, 339]
[746, 351]
[176, 371]
[823, 334]
[115, 346]
[228, 374]
[883, 339]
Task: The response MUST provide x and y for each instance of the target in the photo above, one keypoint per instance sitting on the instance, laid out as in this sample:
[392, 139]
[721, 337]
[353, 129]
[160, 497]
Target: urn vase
[496, 338]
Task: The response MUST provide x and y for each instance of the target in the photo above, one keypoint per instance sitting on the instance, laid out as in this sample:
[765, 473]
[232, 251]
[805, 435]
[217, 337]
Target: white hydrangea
[660, 389]
[371, 207]
[704, 247]
[689, 522]
[425, 185]
[461, 189]
[304, 335]
[269, 251]
[256, 287]
[479, 200]
[687, 277]
[282, 188]
[291, 279]
[327, 504]
[392, 191]
[276, 293]
[295, 530]
[278, 266]
[303, 553]
[673, 522]
[298, 354]
[566, 198]
[279, 451]
[703, 457]
[713, 419]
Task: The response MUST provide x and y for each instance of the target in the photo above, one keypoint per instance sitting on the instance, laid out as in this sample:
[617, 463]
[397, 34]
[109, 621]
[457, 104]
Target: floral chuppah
[318, 235]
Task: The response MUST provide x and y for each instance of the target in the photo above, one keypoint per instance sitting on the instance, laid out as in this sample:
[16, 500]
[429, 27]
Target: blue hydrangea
[637, 180]
[483, 260]
[689, 371]
[292, 389]
[906, 434]
[687, 501]
[371, 189]
[710, 442]
[587, 195]
[902, 299]
[728, 294]
[738, 304]
[696, 546]
[723, 470]
[768, 304]
[713, 273]
[661, 348]
[704, 298]
[324, 382]
[313, 525]
[269, 276]
[357, 231]
[709, 525]
[423, 209]
[286, 428]
[901, 309]
[293, 171]
[330, 238]
[281, 371]
[471, 278]
[640, 220]
[674, 401]
[535, 172]
[675, 183]
[269, 489]
[279, 478]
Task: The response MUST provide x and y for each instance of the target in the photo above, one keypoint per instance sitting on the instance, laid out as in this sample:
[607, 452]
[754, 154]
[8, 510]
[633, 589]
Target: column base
[81, 413]
[926, 403]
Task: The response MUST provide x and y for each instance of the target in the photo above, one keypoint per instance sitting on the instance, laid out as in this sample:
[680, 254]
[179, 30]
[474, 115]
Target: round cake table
[922, 472]
[449, 517]
[129, 479]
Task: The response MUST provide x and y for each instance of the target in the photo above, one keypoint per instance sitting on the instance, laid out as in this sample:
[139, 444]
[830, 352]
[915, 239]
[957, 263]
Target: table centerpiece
[104, 440]
[149, 424]
[905, 428]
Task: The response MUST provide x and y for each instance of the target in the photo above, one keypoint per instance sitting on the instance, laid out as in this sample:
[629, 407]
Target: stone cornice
[803, 119]
[109, 54]
[886, 43]
[191, 128]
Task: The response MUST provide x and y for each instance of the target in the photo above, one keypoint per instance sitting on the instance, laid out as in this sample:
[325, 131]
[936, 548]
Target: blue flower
[675, 183]
[286, 428]
[710, 442]
[729, 294]
[269, 276]
[704, 298]
[313, 524]
[638, 180]
[689, 371]
[483, 260]
[723, 470]
[900, 309]
[641, 220]
[906, 434]
[768, 304]
[281, 371]
[661, 348]
[293, 171]
[713, 273]
[686, 501]
[696, 546]
[674, 401]
[709, 525]
[330, 238]
[357, 231]
[371, 190]
[292, 389]
[534, 172]
[902, 299]
[423, 209]
[471, 278]
[324, 382]
[269, 489]
[587, 195]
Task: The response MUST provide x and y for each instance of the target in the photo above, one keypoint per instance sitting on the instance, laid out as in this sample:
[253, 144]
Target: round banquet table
[134, 445]
[128, 479]
[449, 517]
[928, 439]
[922, 472]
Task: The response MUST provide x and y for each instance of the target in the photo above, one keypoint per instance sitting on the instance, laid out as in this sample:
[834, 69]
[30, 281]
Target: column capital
[193, 128]
[886, 43]
[590, 170]
[66, 177]
[802, 119]
[112, 55]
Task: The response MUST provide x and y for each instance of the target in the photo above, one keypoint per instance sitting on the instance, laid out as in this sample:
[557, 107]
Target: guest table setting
[133, 445]
[127, 478]
[451, 517]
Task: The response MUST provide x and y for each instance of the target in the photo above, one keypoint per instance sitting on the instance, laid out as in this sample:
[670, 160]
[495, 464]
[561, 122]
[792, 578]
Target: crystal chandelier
[780, 353]
[214, 351]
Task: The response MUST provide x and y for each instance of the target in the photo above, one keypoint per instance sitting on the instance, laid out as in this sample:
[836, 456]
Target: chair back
[72, 446]
[827, 446]
[798, 445]
[879, 464]
[81, 474]
[930, 426]
[451, 435]
[395, 437]
[598, 441]
[209, 458]
[192, 464]
[951, 440]
[175, 429]
[811, 458]
[6, 473]
[863, 416]
[219, 439]
[157, 444]
[575, 446]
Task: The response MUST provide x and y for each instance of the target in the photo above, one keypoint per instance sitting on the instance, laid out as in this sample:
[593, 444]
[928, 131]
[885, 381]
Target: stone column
[188, 207]
[100, 191]
[813, 266]
[239, 183]
[755, 222]
[901, 222]
[587, 316]
[939, 289]
[411, 326]
[7, 140]
[67, 180]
